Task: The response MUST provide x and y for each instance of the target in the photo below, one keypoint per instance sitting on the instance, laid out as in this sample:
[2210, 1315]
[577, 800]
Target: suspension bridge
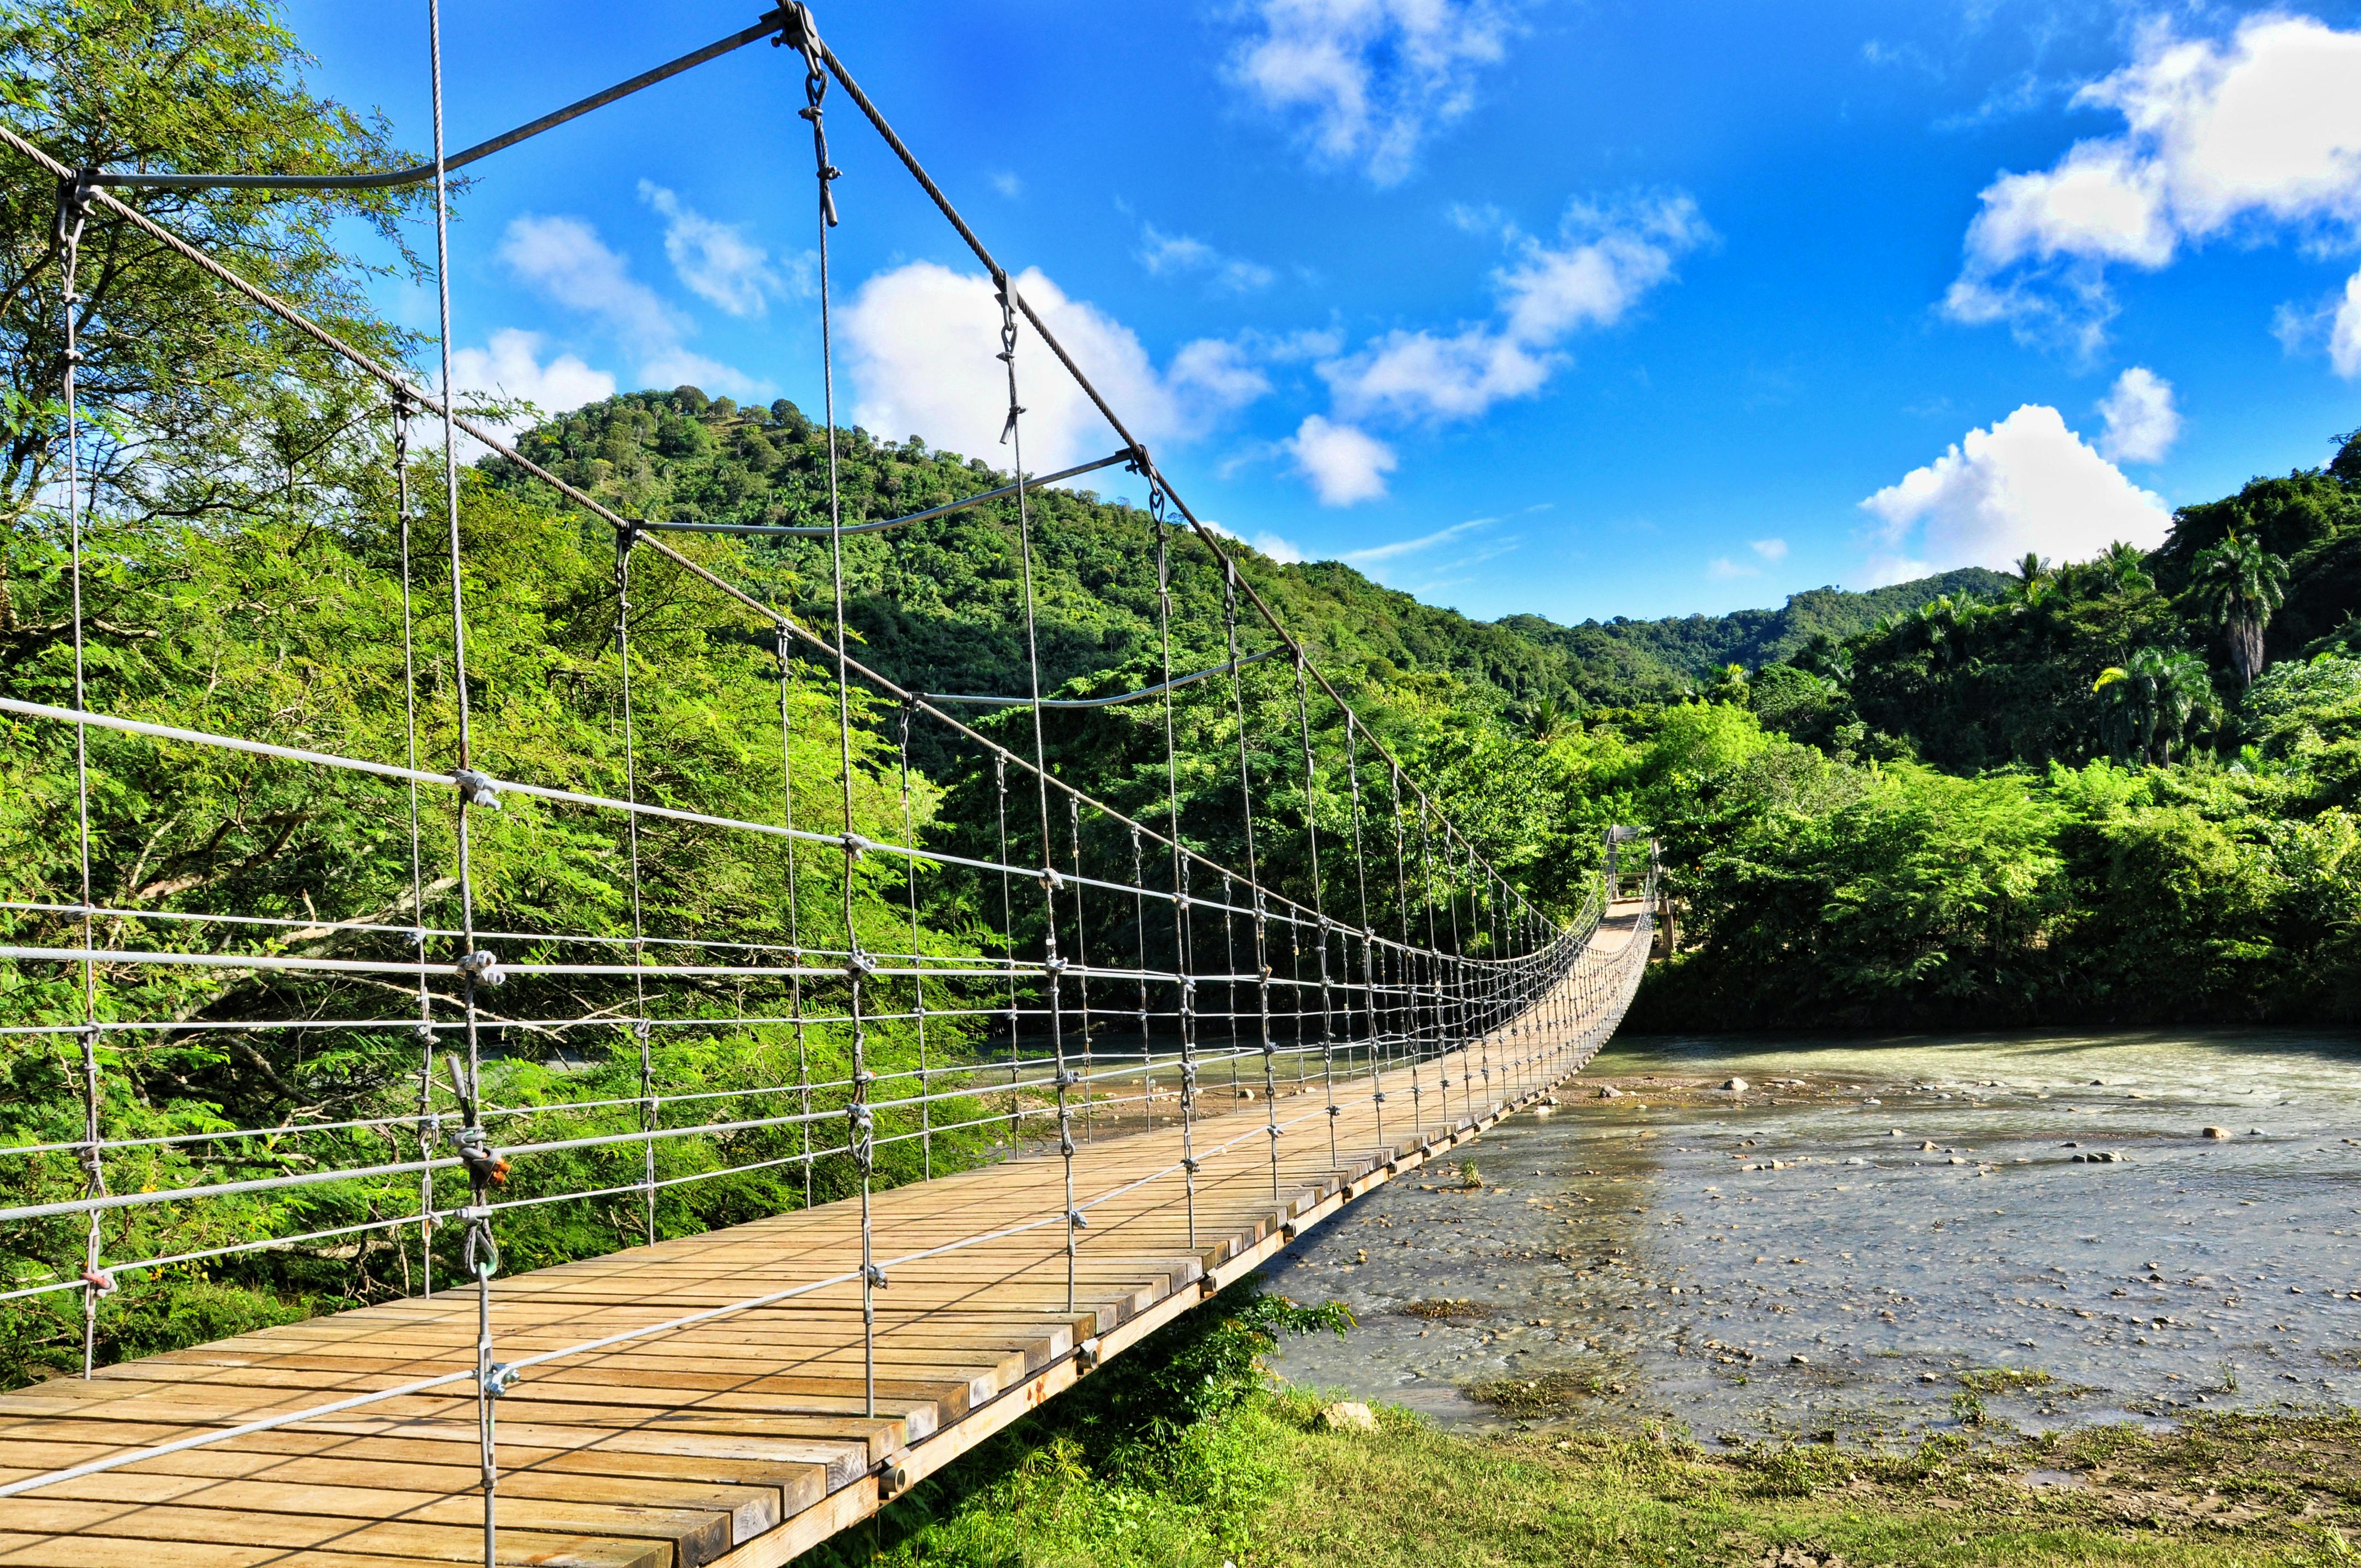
[991, 1133]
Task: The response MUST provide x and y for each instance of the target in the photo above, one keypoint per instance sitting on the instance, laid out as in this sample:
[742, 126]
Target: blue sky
[1579, 309]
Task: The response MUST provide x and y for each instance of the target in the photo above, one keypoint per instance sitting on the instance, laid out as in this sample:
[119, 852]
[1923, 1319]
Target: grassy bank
[1181, 1457]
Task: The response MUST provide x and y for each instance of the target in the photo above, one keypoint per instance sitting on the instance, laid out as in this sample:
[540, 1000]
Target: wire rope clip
[873, 1276]
[1053, 966]
[859, 965]
[1051, 880]
[854, 844]
[483, 966]
[498, 1378]
[1192, 1164]
[478, 789]
[99, 1279]
[1076, 1219]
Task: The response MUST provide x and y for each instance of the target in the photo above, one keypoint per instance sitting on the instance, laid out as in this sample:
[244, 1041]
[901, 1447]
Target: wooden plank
[157, 1524]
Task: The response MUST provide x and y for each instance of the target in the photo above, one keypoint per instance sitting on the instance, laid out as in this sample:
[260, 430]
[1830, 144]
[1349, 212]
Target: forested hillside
[945, 598]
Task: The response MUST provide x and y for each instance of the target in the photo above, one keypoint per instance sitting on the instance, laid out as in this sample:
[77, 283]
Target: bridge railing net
[664, 928]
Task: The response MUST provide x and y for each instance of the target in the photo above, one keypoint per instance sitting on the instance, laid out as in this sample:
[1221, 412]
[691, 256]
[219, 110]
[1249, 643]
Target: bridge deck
[741, 1441]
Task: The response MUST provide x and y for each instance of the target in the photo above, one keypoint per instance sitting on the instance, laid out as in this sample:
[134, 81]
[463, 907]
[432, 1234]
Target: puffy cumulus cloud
[1722, 569]
[1345, 463]
[922, 343]
[2027, 483]
[716, 261]
[1769, 549]
[1170, 255]
[1606, 258]
[1364, 81]
[2262, 128]
[563, 260]
[2142, 422]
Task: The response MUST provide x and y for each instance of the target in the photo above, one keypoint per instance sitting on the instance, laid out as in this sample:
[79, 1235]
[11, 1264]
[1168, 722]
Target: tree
[194, 403]
[2239, 584]
[2031, 580]
[2150, 699]
[2125, 567]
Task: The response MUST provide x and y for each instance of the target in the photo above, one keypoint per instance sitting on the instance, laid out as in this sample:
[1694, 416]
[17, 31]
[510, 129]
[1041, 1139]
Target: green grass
[1124, 1475]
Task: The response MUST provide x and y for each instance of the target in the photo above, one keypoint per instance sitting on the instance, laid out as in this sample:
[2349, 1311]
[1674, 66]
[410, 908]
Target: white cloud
[510, 367]
[1607, 258]
[1377, 555]
[1167, 255]
[1007, 184]
[1345, 464]
[2142, 424]
[2345, 330]
[1283, 551]
[2026, 483]
[922, 343]
[1722, 568]
[1365, 81]
[2262, 128]
[1770, 549]
[564, 261]
[716, 260]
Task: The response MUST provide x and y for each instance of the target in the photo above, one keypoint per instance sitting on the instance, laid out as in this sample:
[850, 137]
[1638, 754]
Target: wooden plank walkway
[740, 1442]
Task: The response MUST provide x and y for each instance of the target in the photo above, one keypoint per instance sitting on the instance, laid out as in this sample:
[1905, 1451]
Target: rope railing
[948, 993]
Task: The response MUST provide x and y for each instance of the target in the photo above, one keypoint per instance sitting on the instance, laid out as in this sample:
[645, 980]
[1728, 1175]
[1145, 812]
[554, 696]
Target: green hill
[939, 604]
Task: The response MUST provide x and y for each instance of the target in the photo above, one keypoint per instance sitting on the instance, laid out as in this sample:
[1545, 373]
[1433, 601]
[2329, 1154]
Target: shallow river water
[1870, 1238]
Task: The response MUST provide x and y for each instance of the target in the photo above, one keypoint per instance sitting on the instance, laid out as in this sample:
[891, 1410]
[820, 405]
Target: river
[1873, 1239]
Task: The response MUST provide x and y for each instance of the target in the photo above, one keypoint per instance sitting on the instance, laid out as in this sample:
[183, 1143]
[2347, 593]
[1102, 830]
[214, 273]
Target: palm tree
[2150, 699]
[1546, 720]
[2033, 578]
[2125, 567]
[2240, 584]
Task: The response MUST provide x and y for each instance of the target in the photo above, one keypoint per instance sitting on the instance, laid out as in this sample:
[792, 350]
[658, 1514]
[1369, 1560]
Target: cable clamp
[860, 1117]
[1051, 880]
[498, 1378]
[874, 1276]
[100, 1281]
[483, 968]
[641, 1030]
[478, 789]
[423, 1033]
[1067, 1079]
[1078, 1219]
[1192, 1164]
[1379, 1097]
[1336, 1109]
[1053, 966]
[484, 1164]
[1273, 1130]
[860, 966]
[854, 844]
[1180, 903]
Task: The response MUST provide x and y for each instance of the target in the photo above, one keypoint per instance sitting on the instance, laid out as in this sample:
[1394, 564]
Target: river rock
[2216, 1133]
[1735, 1085]
[1610, 1092]
[1347, 1415]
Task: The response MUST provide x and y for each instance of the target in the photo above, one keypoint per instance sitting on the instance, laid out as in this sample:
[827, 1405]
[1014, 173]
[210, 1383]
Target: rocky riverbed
[1865, 1239]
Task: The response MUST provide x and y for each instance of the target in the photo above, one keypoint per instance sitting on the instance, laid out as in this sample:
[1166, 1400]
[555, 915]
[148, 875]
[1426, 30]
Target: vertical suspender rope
[859, 1121]
[640, 1028]
[73, 204]
[1081, 973]
[477, 968]
[1012, 434]
[1139, 925]
[1319, 914]
[1186, 1000]
[1406, 977]
[1230, 985]
[1363, 935]
[917, 967]
[1253, 874]
[427, 1130]
[1008, 952]
[794, 902]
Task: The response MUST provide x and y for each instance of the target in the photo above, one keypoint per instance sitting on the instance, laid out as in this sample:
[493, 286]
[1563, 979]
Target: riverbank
[1265, 1485]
